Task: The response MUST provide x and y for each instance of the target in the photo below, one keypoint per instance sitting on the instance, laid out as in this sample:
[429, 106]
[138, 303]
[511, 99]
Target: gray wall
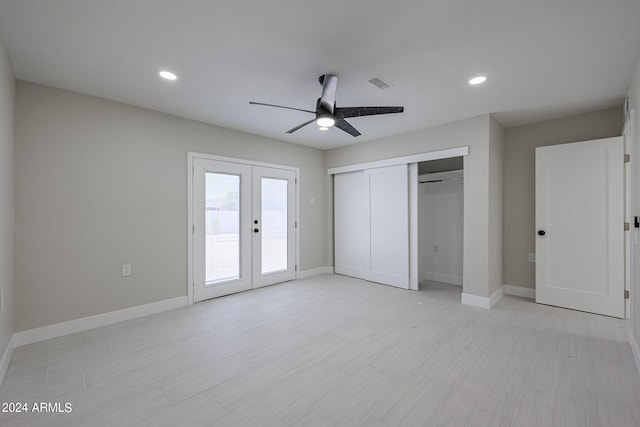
[100, 184]
[7, 200]
[635, 288]
[482, 191]
[519, 181]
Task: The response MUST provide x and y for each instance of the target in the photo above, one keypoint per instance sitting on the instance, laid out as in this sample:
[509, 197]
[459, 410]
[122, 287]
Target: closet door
[351, 234]
[371, 223]
[387, 191]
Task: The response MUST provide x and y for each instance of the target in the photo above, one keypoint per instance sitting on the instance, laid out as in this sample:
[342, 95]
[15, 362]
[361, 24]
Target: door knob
[255, 230]
[541, 232]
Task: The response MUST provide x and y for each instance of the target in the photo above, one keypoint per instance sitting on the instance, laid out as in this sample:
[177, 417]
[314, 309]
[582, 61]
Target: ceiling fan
[327, 114]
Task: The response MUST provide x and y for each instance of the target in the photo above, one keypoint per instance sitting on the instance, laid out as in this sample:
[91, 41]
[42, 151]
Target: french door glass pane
[222, 225]
[274, 225]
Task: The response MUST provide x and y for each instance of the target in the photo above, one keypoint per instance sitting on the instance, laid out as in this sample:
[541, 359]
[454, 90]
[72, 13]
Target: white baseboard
[4, 362]
[445, 278]
[520, 291]
[474, 301]
[84, 324]
[634, 349]
[483, 302]
[314, 272]
[496, 296]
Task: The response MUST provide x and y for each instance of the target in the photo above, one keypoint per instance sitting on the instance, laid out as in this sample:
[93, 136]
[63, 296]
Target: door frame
[628, 133]
[191, 155]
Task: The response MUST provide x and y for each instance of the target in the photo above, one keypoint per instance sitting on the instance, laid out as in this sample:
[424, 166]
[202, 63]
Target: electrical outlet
[126, 270]
[532, 257]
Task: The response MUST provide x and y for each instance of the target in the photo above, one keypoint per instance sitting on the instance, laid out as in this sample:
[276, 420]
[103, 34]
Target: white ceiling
[544, 58]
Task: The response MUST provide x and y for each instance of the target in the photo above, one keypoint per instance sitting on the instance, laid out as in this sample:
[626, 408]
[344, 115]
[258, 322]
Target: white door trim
[414, 280]
[416, 158]
[191, 155]
[628, 132]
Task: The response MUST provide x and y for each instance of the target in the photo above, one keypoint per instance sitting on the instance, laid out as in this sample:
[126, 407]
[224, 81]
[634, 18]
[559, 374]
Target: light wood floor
[336, 351]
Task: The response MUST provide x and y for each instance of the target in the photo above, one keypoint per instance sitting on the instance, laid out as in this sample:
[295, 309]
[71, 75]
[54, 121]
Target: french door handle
[256, 230]
[541, 232]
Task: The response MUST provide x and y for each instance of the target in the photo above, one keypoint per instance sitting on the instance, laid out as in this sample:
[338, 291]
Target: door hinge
[627, 158]
[626, 294]
[193, 229]
[626, 226]
[295, 181]
[296, 268]
[295, 224]
[193, 170]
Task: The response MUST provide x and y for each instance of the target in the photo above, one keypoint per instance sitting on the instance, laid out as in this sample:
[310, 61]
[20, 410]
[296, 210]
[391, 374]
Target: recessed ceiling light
[167, 75]
[477, 80]
[323, 128]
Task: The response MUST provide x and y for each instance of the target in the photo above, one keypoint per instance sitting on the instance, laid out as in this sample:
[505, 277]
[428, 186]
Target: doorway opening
[440, 224]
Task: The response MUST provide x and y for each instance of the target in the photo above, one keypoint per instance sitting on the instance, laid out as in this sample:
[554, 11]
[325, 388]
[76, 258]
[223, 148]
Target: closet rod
[440, 180]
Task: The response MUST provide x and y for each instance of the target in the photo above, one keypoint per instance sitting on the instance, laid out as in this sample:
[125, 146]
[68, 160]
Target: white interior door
[351, 240]
[244, 220]
[273, 226]
[221, 233]
[579, 225]
[371, 224]
[387, 191]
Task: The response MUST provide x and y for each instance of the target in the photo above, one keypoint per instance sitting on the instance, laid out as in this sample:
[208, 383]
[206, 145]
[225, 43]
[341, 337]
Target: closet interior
[440, 221]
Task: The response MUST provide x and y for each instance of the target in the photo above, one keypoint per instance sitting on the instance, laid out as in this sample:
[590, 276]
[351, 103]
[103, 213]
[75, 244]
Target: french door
[243, 227]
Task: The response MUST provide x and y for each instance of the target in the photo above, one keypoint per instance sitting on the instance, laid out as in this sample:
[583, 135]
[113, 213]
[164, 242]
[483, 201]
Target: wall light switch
[532, 257]
[126, 270]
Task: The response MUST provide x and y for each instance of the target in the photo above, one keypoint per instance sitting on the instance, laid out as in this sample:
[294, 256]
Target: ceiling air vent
[379, 83]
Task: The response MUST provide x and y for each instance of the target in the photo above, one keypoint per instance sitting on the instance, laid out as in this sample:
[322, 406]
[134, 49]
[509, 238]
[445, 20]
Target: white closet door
[388, 225]
[351, 234]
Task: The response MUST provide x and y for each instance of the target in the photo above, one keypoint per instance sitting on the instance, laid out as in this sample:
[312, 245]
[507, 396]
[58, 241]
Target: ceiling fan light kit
[328, 114]
[325, 121]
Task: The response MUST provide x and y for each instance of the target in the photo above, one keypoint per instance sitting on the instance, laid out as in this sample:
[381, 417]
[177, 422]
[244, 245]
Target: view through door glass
[274, 225]
[222, 224]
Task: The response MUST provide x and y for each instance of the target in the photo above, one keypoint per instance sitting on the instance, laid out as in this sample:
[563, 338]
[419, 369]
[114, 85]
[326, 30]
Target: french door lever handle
[541, 232]
[255, 230]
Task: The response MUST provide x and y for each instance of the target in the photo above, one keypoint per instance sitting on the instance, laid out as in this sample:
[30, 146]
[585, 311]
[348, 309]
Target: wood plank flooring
[336, 351]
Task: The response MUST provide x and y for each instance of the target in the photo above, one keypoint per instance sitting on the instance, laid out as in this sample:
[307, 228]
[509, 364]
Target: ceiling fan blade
[345, 126]
[345, 112]
[281, 106]
[329, 87]
[301, 126]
